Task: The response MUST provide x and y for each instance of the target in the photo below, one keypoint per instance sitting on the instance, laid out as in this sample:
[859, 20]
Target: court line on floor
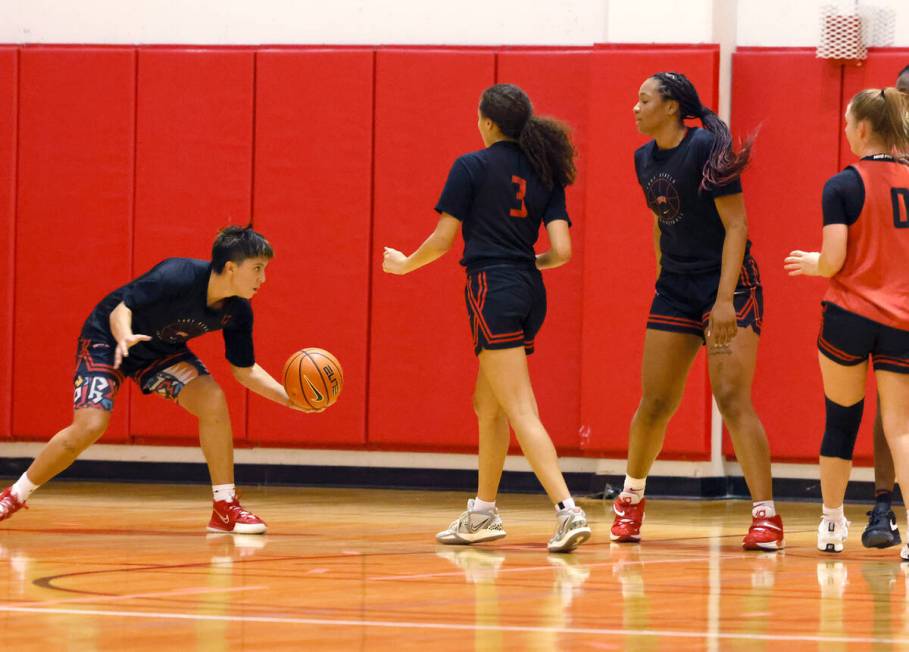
[287, 620]
[580, 564]
[99, 597]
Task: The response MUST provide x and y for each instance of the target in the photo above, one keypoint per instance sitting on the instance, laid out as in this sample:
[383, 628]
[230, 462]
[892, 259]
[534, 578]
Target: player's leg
[891, 369]
[667, 359]
[95, 386]
[881, 530]
[183, 378]
[506, 371]
[894, 392]
[481, 521]
[844, 344]
[731, 371]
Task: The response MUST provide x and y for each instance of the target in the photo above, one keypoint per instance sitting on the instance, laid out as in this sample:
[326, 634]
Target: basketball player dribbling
[708, 291]
[498, 197]
[140, 331]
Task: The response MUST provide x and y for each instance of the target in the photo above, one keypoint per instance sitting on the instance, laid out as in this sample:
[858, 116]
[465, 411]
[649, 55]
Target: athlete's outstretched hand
[722, 325]
[394, 261]
[123, 346]
[802, 263]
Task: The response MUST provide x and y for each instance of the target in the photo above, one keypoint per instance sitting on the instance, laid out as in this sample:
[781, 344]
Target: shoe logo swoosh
[618, 513]
[224, 519]
[318, 394]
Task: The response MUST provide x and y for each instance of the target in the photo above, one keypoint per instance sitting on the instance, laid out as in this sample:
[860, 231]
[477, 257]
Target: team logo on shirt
[182, 330]
[663, 198]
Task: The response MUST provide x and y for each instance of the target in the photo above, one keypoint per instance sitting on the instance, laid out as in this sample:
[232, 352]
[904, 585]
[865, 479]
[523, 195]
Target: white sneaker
[473, 527]
[832, 535]
[572, 530]
[904, 553]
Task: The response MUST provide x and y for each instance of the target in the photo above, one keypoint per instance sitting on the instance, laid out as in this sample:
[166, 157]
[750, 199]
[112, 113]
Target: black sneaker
[881, 531]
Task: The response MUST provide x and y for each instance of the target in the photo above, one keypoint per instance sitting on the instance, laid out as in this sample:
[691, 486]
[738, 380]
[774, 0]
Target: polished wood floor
[129, 567]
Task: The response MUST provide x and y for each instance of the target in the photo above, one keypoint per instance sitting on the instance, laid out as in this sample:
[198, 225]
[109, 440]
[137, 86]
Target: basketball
[313, 378]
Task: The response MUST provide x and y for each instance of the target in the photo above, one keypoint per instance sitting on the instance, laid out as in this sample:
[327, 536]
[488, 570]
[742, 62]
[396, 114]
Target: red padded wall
[558, 83]
[422, 367]
[313, 195]
[795, 153]
[8, 99]
[194, 151]
[878, 71]
[74, 209]
[619, 268]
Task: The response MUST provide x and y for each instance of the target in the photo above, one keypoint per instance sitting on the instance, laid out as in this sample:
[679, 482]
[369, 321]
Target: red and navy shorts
[96, 382]
[506, 306]
[849, 339]
[683, 302]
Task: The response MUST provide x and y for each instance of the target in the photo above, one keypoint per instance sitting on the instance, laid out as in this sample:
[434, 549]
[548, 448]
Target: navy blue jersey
[500, 201]
[844, 194]
[691, 231]
[169, 304]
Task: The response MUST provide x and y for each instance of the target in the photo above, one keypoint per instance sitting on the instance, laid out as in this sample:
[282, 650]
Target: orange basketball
[313, 378]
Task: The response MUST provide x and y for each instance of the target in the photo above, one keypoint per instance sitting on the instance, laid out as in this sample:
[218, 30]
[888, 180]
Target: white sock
[483, 506]
[763, 509]
[23, 488]
[634, 489]
[562, 505]
[834, 514]
[223, 491]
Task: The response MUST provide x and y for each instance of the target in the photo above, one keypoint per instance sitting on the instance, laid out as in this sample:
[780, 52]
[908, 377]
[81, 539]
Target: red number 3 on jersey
[519, 196]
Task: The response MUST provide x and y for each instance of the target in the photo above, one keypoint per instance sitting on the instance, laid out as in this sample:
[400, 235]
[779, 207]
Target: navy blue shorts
[683, 302]
[506, 306]
[849, 339]
[96, 382]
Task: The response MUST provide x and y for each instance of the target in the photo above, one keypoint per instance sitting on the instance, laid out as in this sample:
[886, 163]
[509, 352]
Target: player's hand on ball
[123, 346]
[298, 408]
[802, 263]
[394, 261]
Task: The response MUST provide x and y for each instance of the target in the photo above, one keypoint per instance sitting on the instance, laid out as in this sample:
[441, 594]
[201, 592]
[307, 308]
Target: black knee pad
[841, 429]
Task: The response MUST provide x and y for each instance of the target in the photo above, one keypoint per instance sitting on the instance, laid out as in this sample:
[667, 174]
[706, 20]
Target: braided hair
[723, 164]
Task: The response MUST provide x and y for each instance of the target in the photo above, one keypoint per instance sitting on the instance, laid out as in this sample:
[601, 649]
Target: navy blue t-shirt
[500, 201]
[691, 231]
[844, 194]
[169, 304]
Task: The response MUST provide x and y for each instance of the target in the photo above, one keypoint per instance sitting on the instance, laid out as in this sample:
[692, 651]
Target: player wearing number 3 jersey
[499, 197]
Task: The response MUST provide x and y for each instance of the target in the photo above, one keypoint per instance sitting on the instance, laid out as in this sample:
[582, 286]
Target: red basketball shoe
[229, 516]
[9, 504]
[765, 533]
[626, 528]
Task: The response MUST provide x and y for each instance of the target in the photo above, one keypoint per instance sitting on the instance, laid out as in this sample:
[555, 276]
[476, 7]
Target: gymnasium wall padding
[313, 199]
[73, 219]
[619, 267]
[422, 368]
[194, 156]
[9, 64]
[559, 85]
[795, 100]
[879, 70]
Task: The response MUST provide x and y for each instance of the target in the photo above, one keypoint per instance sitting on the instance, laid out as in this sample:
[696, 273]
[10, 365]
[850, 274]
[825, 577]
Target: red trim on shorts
[477, 303]
[829, 348]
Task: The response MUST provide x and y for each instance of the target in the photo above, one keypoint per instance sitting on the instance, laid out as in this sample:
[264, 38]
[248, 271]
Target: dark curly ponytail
[546, 141]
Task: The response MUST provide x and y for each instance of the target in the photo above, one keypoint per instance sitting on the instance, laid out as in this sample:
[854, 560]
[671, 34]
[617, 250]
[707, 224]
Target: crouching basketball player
[140, 331]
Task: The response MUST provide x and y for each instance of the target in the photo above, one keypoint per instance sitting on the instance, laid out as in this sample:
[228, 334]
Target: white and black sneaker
[882, 530]
[572, 530]
[473, 527]
[831, 535]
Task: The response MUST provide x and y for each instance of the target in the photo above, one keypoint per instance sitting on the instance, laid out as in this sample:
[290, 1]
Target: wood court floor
[129, 567]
